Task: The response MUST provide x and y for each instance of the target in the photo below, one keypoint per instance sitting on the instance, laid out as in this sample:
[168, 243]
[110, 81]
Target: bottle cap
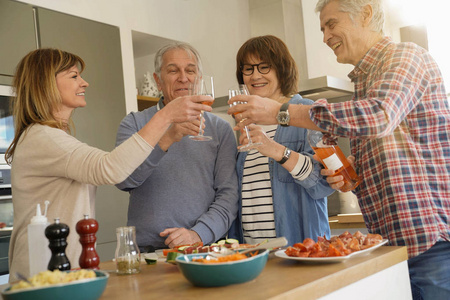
[39, 218]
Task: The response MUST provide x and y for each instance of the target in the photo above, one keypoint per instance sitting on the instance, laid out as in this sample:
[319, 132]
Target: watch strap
[284, 106]
[286, 155]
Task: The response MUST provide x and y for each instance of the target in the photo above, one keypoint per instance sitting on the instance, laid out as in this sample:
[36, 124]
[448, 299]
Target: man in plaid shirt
[398, 123]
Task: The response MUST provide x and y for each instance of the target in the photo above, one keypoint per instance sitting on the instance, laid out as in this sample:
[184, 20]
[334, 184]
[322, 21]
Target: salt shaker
[57, 235]
[127, 251]
[87, 228]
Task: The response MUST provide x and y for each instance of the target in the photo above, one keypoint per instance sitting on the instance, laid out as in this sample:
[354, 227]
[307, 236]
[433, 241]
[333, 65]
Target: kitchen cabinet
[17, 36]
[98, 45]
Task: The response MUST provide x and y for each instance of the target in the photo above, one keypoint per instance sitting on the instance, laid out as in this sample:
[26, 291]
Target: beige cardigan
[49, 164]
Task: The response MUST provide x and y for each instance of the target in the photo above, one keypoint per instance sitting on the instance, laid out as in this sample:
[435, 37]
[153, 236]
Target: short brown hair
[272, 50]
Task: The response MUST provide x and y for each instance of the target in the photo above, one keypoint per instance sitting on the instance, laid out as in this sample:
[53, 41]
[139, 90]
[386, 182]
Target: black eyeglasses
[248, 70]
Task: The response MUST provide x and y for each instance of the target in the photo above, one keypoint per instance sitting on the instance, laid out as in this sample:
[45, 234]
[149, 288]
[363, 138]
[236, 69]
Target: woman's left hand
[258, 135]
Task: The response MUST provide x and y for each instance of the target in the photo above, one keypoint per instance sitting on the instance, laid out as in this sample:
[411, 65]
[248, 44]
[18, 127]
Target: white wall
[320, 59]
[282, 18]
[398, 13]
[433, 15]
[217, 28]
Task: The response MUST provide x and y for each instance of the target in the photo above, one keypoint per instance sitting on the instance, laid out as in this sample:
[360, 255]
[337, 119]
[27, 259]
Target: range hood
[328, 87]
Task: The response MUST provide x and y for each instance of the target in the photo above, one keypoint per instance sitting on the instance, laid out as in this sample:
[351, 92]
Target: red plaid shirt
[398, 123]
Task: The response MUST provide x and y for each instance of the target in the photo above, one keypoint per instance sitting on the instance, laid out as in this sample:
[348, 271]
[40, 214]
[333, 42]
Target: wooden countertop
[280, 279]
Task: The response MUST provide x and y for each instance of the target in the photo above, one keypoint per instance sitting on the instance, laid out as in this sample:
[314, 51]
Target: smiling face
[178, 70]
[264, 85]
[71, 88]
[349, 39]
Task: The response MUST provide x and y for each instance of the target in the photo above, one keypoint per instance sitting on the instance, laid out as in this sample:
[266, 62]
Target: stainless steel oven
[6, 217]
[6, 207]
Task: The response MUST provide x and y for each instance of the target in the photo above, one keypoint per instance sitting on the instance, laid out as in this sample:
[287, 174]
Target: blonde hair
[36, 94]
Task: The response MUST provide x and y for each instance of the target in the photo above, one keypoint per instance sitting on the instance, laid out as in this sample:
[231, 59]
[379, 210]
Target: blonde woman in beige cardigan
[47, 163]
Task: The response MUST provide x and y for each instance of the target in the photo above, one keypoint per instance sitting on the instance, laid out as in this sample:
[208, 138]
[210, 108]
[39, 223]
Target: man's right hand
[335, 182]
[255, 110]
[177, 131]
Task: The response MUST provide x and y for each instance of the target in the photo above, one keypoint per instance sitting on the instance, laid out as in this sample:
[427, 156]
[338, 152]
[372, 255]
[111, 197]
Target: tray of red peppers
[335, 249]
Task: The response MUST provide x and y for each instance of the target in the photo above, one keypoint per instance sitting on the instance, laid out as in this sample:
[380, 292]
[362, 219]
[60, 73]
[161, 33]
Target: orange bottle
[332, 157]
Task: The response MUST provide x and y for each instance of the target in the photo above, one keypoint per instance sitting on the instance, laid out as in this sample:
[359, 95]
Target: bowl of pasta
[203, 269]
[68, 285]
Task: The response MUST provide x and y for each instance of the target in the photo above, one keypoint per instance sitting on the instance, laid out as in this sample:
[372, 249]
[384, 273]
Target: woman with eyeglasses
[281, 190]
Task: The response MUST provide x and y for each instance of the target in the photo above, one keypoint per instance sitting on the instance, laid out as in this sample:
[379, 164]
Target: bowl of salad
[68, 285]
[208, 270]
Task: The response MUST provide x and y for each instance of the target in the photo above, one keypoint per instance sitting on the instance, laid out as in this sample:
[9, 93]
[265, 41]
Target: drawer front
[4, 268]
[4, 246]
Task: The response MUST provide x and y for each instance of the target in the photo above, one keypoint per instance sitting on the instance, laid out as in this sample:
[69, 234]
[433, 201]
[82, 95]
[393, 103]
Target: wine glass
[242, 90]
[203, 85]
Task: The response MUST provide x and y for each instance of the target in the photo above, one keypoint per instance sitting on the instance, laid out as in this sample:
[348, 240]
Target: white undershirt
[257, 204]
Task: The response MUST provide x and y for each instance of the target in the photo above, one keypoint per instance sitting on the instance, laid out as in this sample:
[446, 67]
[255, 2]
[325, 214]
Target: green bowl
[85, 289]
[221, 274]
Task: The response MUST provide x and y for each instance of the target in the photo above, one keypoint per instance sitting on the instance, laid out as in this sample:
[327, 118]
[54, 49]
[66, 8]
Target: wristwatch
[283, 117]
[286, 155]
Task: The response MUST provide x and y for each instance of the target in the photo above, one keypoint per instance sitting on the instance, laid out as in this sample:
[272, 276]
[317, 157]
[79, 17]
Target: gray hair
[354, 8]
[184, 46]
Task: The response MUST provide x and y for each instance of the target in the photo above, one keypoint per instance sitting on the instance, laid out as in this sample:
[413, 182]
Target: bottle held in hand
[332, 157]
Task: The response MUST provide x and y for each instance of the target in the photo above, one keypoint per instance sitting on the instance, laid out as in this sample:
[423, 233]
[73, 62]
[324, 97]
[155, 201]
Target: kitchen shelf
[146, 102]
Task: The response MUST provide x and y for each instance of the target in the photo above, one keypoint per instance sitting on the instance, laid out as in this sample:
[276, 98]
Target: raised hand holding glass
[242, 90]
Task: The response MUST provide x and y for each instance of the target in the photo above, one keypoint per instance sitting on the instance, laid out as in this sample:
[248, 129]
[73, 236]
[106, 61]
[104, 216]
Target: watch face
[283, 118]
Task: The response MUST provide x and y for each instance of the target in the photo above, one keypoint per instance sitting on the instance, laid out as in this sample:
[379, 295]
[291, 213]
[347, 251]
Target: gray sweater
[193, 185]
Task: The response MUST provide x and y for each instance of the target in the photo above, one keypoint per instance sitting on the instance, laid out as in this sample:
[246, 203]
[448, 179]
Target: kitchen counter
[346, 221]
[384, 270]
[5, 231]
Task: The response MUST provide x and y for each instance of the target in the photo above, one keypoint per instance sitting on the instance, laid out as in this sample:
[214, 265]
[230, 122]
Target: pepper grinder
[57, 235]
[87, 228]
